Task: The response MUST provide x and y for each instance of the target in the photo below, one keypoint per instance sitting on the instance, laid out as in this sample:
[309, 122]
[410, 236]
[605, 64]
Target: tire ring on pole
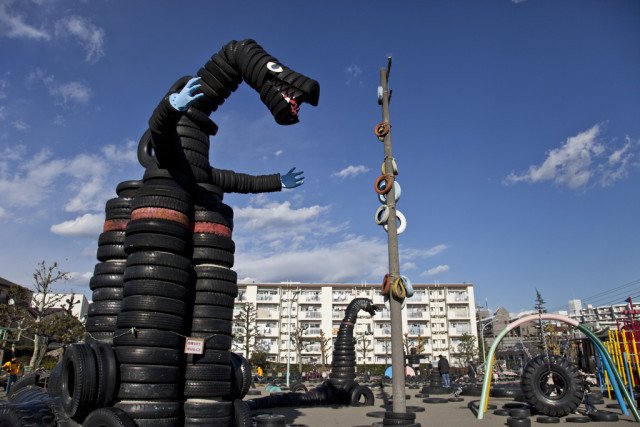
[382, 129]
[388, 180]
[386, 285]
[397, 191]
[394, 166]
[382, 215]
[403, 223]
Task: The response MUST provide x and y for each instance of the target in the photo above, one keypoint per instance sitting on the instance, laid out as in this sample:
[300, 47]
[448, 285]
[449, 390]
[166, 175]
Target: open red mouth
[293, 104]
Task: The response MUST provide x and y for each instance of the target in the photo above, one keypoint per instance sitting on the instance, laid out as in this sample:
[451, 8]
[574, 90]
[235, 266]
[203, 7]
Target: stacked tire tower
[107, 280]
[341, 388]
[179, 252]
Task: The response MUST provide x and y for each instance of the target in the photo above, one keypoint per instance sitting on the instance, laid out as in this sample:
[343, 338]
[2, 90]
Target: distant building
[438, 315]
[575, 305]
[80, 303]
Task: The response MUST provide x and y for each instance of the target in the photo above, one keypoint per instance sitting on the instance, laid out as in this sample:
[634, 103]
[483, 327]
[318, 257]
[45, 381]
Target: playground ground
[452, 414]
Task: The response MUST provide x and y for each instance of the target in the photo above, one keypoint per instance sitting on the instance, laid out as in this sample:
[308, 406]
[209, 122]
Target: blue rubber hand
[181, 100]
[292, 179]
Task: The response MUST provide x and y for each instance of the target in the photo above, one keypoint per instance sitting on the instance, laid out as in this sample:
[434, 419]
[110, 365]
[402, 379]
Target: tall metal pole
[397, 351]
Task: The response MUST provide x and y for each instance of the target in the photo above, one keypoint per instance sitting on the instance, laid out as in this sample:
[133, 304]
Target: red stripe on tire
[114, 224]
[161, 213]
[211, 228]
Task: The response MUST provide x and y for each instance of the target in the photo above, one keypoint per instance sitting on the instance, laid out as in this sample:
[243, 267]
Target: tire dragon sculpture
[341, 387]
[166, 255]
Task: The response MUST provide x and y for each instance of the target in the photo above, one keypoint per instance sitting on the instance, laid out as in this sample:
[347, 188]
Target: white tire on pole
[403, 223]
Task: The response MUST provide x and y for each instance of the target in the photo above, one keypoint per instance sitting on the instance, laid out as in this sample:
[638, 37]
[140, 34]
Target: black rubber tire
[390, 415]
[213, 256]
[158, 226]
[210, 240]
[101, 323]
[210, 356]
[158, 422]
[214, 341]
[166, 259]
[563, 371]
[107, 294]
[147, 338]
[214, 298]
[104, 308]
[214, 214]
[520, 412]
[28, 393]
[502, 412]
[157, 272]
[150, 409]
[54, 381]
[199, 388]
[164, 191]
[128, 189]
[221, 286]
[213, 372]
[471, 391]
[547, 420]
[455, 399]
[150, 320]
[105, 281]
[79, 381]
[110, 252]
[577, 419]
[212, 311]
[216, 273]
[207, 409]
[157, 288]
[217, 326]
[150, 391]
[518, 422]
[149, 356]
[30, 379]
[149, 374]
[603, 416]
[159, 242]
[109, 417]
[435, 400]
[361, 392]
[298, 387]
[107, 367]
[31, 414]
[154, 303]
[114, 237]
[241, 413]
[240, 376]
[111, 267]
[161, 202]
[503, 392]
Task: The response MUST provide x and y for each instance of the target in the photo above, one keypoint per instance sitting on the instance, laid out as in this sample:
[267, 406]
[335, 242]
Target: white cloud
[408, 266]
[20, 125]
[85, 225]
[279, 153]
[3, 212]
[81, 183]
[3, 87]
[353, 74]
[64, 92]
[128, 153]
[13, 25]
[3, 112]
[351, 171]
[350, 260]
[581, 159]
[442, 268]
[413, 253]
[89, 36]
[276, 215]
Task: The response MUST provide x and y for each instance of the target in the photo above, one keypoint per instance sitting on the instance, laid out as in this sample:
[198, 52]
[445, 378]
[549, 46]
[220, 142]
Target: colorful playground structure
[614, 357]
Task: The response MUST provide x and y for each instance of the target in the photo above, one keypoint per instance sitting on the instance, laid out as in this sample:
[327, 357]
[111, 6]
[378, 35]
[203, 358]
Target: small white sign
[194, 345]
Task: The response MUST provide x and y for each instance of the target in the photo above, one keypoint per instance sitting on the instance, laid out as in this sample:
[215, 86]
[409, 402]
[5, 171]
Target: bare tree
[44, 278]
[246, 331]
[325, 347]
[363, 345]
[13, 317]
[299, 342]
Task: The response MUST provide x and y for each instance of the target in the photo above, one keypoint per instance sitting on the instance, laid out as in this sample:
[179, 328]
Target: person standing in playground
[443, 367]
[13, 368]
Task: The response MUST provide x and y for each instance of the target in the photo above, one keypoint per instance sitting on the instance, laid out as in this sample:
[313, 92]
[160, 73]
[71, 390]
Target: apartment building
[437, 315]
[80, 304]
[600, 317]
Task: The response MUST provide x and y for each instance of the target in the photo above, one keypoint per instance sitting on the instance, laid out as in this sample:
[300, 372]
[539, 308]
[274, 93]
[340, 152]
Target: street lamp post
[290, 300]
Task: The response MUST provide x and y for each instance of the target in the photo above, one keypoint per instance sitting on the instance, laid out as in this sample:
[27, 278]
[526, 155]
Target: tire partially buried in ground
[553, 386]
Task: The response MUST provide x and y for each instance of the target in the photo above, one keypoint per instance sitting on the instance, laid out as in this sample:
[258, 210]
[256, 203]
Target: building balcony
[458, 298]
[459, 331]
[312, 331]
[311, 315]
[267, 314]
[382, 332]
[417, 314]
[266, 298]
[458, 314]
[419, 331]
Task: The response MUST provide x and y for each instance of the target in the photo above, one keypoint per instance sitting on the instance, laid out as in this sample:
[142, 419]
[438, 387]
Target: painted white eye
[274, 67]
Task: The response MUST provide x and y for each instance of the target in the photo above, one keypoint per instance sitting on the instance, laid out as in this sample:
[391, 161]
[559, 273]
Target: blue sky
[515, 126]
